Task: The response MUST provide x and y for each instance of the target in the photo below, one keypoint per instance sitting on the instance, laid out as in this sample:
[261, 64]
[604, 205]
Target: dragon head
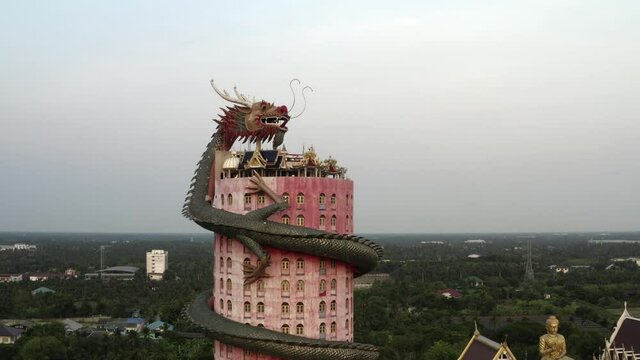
[252, 120]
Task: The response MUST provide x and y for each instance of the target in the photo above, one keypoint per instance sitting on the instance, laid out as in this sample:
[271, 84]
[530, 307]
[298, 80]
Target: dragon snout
[282, 110]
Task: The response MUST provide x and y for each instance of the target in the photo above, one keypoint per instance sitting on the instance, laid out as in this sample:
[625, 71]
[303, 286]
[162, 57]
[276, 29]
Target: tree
[43, 348]
[441, 350]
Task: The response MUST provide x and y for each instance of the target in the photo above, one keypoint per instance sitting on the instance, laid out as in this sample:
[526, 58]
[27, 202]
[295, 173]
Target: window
[333, 263]
[322, 199]
[221, 284]
[285, 219]
[347, 305]
[230, 200]
[228, 286]
[260, 285]
[323, 266]
[285, 329]
[247, 307]
[333, 327]
[323, 286]
[261, 199]
[229, 306]
[333, 305]
[285, 264]
[333, 221]
[333, 199]
[323, 328]
[284, 286]
[299, 329]
[323, 220]
[285, 309]
[229, 245]
[285, 197]
[300, 308]
[348, 283]
[247, 199]
[260, 308]
[228, 264]
[322, 307]
[300, 286]
[348, 221]
[222, 199]
[300, 264]
[334, 284]
[300, 199]
[346, 325]
[221, 305]
[247, 289]
[221, 262]
[300, 220]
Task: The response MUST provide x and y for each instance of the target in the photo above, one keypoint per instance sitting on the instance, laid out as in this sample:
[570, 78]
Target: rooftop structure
[42, 290]
[624, 343]
[18, 247]
[9, 335]
[483, 348]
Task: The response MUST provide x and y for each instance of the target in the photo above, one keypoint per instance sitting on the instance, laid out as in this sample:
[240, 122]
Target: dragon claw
[253, 273]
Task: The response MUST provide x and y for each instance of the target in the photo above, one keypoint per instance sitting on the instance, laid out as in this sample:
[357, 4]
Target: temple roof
[483, 348]
[625, 340]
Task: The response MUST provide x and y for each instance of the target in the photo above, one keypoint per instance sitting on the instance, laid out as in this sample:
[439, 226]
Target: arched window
[285, 219]
[348, 221]
[221, 262]
[261, 199]
[346, 325]
[285, 309]
[229, 200]
[323, 328]
[333, 221]
[285, 329]
[334, 284]
[322, 199]
[299, 308]
[323, 220]
[300, 286]
[285, 264]
[300, 265]
[333, 327]
[221, 305]
[322, 307]
[333, 305]
[300, 220]
[285, 286]
[247, 199]
[323, 286]
[333, 263]
[229, 244]
[260, 286]
[299, 329]
[221, 284]
[222, 199]
[285, 197]
[229, 306]
[260, 325]
[300, 198]
[228, 264]
[346, 305]
[247, 307]
[260, 308]
[228, 286]
[333, 199]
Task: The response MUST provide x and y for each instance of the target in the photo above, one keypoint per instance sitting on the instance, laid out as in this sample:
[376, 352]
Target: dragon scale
[255, 232]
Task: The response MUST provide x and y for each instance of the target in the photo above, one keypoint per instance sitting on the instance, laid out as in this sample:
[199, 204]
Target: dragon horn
[241, 100]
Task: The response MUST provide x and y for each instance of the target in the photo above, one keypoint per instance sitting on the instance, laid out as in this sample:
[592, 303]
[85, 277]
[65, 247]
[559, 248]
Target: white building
[157, 263]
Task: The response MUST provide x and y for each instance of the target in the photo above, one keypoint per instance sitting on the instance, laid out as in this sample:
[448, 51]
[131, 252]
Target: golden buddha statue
[552, 344]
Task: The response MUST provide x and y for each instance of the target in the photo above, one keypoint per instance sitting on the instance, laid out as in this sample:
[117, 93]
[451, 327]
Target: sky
[451, 116]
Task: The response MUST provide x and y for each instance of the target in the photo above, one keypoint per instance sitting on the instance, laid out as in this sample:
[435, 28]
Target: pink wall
[310, 273]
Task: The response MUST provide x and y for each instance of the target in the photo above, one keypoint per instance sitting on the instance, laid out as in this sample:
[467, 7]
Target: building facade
[157, 263]
[302, 295]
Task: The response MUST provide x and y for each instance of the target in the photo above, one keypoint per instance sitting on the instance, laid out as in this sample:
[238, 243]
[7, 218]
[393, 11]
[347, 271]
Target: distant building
[157, 263]
[115, 272]
[159, 326]
[10, 278]
[450, 293]
[474, 281]
[624, 343]
[17, 247]
[42, 276]
[474, 256]
[366, 281]
[71, 326]
[475, 241]
[9, 335]
[483, 348]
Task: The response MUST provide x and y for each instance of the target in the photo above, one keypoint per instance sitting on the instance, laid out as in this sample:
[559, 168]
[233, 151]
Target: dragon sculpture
[256, 122]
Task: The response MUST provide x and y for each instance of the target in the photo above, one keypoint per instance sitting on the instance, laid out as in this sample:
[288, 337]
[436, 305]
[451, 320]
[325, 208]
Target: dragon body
[256, 122]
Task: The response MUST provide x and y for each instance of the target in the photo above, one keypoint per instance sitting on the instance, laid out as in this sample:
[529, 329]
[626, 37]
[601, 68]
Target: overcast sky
[451, 116]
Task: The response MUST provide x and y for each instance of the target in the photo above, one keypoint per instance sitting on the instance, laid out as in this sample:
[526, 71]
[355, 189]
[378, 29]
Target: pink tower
[302, 295]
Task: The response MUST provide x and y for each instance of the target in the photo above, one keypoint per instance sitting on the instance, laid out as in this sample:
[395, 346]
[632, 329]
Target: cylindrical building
[302, 295]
